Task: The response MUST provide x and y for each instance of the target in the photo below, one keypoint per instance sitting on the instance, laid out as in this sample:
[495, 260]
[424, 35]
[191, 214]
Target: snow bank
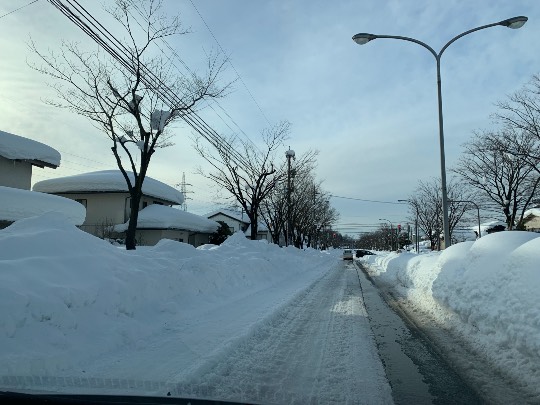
[486, 290]
[17, 204]
[157, 216]
[67, 298]
[16, 147]
[107, 180]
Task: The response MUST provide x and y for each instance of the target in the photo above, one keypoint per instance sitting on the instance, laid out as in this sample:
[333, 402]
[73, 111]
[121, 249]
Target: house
[17, 157]
[16, 204]
[158, 222]
[239, 221]
[531, 220]
[106, 198]
[236, 221]
[262, 232]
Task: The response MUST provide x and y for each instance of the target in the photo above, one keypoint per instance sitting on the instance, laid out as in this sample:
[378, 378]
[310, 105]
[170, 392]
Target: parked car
[347, 254]
[362, 253]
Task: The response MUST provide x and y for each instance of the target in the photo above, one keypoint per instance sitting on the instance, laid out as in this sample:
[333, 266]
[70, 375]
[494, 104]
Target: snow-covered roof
[18, 204]
[108, 181]
[157, 216]
[533, 211]
[16, 147]
[236, 215]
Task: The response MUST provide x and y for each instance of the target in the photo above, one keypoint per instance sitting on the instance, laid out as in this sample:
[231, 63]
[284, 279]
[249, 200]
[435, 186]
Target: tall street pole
[364, 38]
[290, 155]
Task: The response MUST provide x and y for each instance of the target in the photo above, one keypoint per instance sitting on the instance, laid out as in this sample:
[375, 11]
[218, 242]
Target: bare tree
[426, 205]
[310, 208]
[124, 96]
[520, 112]
[252, 179]
[506, 180]
[274, 212]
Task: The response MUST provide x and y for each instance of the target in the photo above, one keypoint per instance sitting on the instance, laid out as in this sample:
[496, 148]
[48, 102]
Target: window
[145, 204]
[82, 201]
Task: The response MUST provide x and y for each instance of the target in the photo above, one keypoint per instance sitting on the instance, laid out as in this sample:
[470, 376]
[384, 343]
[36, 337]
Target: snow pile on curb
[487, 290]
[67, 298]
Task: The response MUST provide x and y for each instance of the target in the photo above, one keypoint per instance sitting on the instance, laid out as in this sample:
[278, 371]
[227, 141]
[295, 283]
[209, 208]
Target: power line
[124, 56]
[235, 71]
[11, 12]
[184, 64]
[364, 200]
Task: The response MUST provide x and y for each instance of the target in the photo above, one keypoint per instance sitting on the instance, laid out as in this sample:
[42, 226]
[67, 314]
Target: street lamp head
[363, 38]
[515, 22]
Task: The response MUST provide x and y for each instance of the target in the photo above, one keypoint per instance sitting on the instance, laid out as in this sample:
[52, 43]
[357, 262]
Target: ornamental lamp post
[364, 38]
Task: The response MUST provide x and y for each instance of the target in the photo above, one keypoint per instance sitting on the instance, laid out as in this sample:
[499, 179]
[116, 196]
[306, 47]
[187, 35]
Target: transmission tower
[184, 191]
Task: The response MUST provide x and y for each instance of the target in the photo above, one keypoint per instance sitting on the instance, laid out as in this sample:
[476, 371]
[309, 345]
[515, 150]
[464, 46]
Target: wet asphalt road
[416, 372]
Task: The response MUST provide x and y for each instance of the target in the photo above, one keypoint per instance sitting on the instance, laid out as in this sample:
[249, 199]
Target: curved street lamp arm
[429, 48]
[466, 33]
[416, 41]
[477, 209]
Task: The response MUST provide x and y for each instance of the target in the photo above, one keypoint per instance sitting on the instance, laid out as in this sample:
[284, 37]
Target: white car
[347, 254]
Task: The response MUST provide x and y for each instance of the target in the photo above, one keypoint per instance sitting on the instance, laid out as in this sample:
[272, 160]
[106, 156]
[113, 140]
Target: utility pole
[289, 155]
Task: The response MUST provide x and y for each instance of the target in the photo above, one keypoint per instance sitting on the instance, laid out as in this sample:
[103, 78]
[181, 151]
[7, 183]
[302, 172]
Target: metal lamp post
[477, 209]
[363, 38]
[289, 154]
[391, 232]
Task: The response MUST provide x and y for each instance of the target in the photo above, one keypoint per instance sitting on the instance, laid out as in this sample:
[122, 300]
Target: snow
[107, 180]
[486, 290]
[80, 315]
[157, 216]
[239, 216]
[16, 147]
[17, 204]
[158, 118]
[532, 211]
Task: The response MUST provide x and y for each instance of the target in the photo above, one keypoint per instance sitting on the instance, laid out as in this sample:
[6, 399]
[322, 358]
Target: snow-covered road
[318, 349]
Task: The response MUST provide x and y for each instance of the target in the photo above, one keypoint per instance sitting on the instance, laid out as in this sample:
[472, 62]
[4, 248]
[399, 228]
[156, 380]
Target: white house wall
[15, 173]
[199, 239]
[104, 209]
[231, 223]
[533, 224]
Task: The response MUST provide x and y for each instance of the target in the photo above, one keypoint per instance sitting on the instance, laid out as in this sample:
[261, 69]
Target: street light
[477, 209]
[391, 233]
[289, 154]
[364, 38]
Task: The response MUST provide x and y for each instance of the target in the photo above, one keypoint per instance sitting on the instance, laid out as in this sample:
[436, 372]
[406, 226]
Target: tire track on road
[318, 349]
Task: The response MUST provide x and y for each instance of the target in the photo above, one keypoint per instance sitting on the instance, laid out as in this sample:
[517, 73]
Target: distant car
[362, 253]
[347, 254]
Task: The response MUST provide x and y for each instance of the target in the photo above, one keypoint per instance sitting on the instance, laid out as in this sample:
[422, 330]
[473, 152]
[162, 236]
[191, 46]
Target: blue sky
[371, 111]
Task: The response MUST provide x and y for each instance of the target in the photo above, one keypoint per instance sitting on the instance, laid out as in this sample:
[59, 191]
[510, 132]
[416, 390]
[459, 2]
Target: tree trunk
[136, 195]
[254, 224]
[131, 241]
